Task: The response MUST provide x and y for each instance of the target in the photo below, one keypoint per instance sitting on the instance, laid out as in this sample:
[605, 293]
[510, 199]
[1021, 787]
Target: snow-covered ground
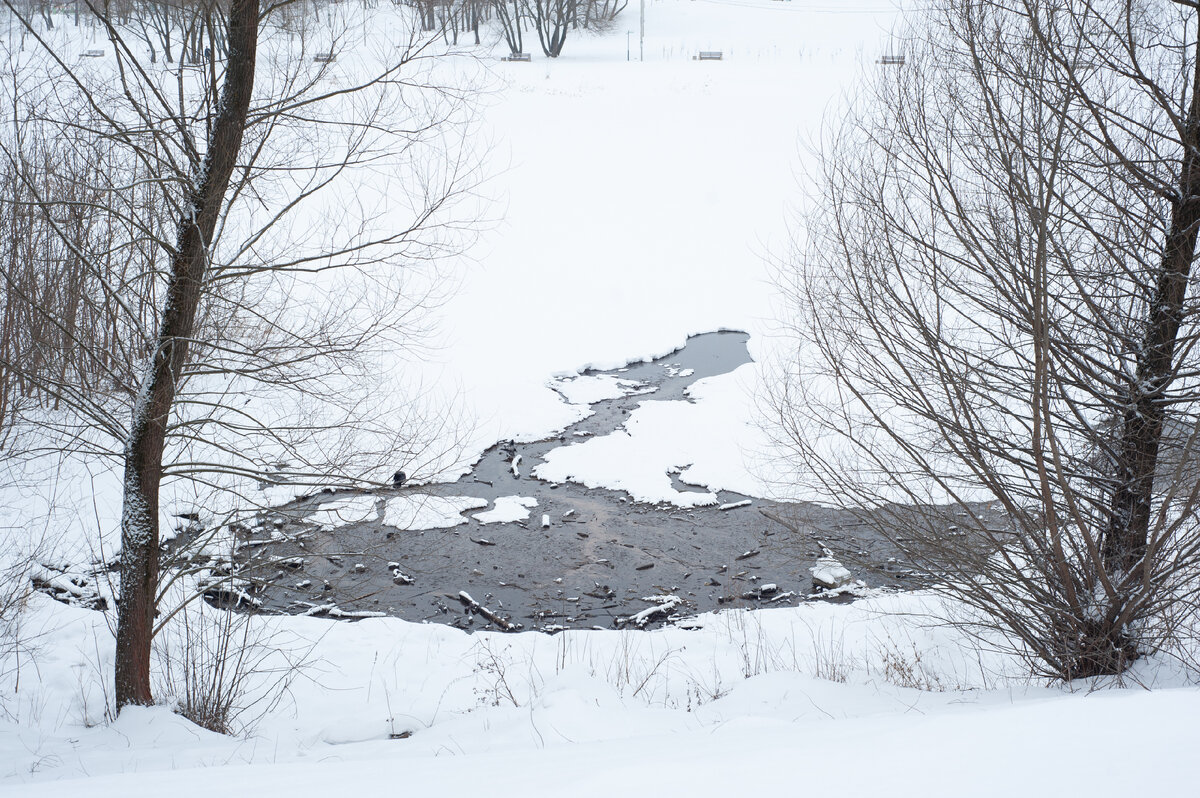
[641, 203]
[835, 699]
[637, 203]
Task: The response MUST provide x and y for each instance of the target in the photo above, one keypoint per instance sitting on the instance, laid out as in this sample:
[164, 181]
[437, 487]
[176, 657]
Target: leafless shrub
[494, 665]
[15, 647]
[94, 698]
[224, 670]
[905, 666]
[638, 663]
[830, 660]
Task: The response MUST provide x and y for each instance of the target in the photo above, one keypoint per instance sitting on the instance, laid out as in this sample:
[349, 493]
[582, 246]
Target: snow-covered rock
[829, 573]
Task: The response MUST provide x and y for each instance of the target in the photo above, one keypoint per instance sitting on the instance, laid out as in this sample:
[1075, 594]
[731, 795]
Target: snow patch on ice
[273, 495]
[589, 389]
[707, 433]
[344, 511]
[507, 510]
[418, 511]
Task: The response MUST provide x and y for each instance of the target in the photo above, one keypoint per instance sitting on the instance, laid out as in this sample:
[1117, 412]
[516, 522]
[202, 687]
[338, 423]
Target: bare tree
[512, 24]
[462, 16]
[600, 15]
[281, 211]
[551, 21]
[158, 23]
[993, 304]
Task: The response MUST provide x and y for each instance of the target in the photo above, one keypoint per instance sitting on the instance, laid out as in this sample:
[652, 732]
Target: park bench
[710, 55]
[516, 57]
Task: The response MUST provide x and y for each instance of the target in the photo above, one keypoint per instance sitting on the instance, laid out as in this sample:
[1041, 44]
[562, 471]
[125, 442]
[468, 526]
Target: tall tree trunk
[147, 435]
[1126, 538]
[510, 24]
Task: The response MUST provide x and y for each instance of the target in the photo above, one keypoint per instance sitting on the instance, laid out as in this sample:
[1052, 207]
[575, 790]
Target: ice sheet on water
[346, 510]
[507, 510]
[592, 388]
[419, 511]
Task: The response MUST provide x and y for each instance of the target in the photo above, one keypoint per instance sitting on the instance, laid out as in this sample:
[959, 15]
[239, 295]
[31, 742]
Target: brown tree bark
[1125, 540]
[147, 435]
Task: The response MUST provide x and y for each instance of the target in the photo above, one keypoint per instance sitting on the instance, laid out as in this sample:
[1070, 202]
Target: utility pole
[642, 35]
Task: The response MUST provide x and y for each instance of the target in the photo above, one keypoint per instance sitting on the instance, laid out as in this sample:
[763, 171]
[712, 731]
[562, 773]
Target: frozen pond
[550, 555]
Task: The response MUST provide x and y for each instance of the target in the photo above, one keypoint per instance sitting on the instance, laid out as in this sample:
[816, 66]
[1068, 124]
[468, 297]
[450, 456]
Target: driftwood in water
[474, 606]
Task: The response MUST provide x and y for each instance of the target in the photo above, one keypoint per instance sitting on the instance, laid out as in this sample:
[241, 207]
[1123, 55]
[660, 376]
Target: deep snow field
[636, 203]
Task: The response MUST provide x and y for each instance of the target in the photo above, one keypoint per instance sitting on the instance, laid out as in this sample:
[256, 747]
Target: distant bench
[93, 53]
[516, 57]
[324, 58]
[892, 60]
[709, 55]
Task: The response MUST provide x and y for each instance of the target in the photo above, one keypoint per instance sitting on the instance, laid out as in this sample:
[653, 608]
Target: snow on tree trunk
[1141, 430]
[147, 435]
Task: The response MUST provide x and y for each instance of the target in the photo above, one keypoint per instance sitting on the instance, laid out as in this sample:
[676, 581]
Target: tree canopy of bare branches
[256, 236]
[552, 20]
[995, 301]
